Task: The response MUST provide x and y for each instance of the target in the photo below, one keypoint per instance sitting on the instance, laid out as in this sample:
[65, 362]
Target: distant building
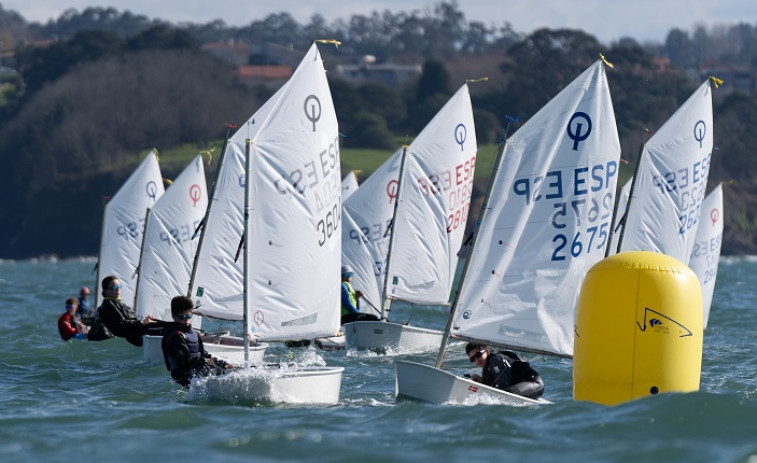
[274, 76]
[265, 63]
[272, 54]
[236, 52]
[367, 71]
[736, 77]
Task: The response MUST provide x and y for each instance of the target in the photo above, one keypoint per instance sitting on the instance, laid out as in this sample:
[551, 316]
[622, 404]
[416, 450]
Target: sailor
[183, 351]
[120, 319]
[351, 300]
[505, 370]
[69, 324]
[86, 312]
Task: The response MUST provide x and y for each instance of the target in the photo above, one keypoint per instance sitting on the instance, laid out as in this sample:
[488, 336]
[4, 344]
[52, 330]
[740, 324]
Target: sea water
[98, 401]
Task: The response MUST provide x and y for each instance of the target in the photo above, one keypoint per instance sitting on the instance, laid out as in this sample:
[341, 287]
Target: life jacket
[520, 369]
[353, 299]
[192, 341]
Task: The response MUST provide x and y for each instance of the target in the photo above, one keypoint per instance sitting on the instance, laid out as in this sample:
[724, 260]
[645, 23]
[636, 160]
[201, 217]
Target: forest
[81, 97]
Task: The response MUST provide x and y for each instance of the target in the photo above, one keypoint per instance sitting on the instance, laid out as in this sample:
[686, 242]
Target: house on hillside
[236, 52]
[737, 76]
[256, 64]
[274, 76]
[368, 71]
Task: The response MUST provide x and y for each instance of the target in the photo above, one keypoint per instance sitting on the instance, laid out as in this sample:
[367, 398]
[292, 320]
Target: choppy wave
[101, 401]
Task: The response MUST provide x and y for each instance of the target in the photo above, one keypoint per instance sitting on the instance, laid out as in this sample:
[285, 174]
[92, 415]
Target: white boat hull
[415, 381]
[227, 348]
[382, 336]
[274, 384]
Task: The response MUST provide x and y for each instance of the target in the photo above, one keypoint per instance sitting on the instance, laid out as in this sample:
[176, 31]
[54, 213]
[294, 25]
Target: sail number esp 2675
[583, 197]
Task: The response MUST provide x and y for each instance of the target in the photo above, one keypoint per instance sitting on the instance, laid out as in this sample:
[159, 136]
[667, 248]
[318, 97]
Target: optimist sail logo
[461, 134]
[313, 109]
[579, 128]
[700, 130]
[152, 190]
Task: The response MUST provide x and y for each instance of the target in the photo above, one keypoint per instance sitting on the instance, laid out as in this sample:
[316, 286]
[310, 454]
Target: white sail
[364, 257]
[169, 250]
[434, 204]
[365, 235]
[349, 185]
[218, 280]
[672, 180]
[293, 237]
[706, 251]
[547, 223]
[123, 226]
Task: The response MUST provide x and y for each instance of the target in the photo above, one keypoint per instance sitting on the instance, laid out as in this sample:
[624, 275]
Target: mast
[246, 255]
[203, 225]
[385, 301]
[99, 259]
[141, 251]
[481, 216]
[628, 204]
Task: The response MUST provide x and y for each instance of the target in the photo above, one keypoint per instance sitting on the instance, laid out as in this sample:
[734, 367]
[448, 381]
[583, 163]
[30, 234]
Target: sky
[608, 20]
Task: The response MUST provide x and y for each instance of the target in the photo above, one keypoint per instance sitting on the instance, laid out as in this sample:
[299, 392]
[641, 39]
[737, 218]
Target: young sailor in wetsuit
[120, 319]
[505, 370]
[69, 325]
[183, 350]
[351, 300]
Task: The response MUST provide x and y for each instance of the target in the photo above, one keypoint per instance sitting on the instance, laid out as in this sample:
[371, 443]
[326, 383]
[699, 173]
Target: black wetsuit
[506, 370]
[121, 321]
[186, 356]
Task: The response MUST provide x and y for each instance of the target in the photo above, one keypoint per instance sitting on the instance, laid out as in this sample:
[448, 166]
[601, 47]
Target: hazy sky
[605, 19]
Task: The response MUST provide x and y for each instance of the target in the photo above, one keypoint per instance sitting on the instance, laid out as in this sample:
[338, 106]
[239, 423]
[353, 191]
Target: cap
[346, 271]
[84, 290]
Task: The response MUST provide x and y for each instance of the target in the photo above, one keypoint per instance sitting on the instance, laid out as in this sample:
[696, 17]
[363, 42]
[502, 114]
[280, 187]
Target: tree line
[85, 105]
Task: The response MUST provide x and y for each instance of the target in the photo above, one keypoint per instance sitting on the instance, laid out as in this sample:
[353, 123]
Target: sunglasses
[477, 356]
[115, 287]
[184, 316]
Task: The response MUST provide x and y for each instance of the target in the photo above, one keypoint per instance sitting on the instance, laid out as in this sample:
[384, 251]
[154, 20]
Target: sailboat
[217, 279]
[292, 242]
[544, 223]
[670, 182]
[431, 200]
[123, 224]
[706, 251]
[168, 250]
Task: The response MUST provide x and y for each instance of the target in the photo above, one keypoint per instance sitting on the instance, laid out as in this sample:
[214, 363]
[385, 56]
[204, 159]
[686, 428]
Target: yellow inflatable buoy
[638, 329]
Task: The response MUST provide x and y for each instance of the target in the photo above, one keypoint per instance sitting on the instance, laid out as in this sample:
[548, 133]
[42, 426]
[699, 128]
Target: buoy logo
[661, 325]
